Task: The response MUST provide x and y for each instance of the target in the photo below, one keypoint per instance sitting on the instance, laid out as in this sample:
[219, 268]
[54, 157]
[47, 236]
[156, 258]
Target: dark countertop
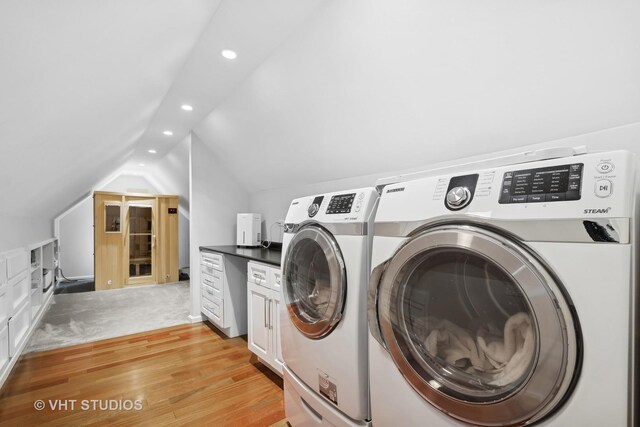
[268, 256]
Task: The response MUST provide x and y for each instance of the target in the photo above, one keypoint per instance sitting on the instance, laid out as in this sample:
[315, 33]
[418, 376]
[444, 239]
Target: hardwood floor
[183, 375]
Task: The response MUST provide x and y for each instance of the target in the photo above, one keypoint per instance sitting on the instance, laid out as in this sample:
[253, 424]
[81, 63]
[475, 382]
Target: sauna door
[140, 240]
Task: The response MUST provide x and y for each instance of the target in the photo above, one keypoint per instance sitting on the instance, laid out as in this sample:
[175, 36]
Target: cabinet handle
[266, 323]
[270, 314]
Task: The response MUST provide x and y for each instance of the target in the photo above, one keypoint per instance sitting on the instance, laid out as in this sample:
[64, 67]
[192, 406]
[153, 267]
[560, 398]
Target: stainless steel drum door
[477, 326]
[314, 282]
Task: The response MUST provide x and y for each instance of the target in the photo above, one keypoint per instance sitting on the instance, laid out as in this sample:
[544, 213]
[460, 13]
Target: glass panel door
[314, 282]
[141, 240]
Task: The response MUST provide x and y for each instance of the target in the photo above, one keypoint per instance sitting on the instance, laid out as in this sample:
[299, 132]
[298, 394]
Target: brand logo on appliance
[395, 190]
[597, 211]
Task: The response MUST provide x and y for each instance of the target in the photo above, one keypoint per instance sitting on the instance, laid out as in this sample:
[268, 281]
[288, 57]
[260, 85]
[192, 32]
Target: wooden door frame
[153, 277]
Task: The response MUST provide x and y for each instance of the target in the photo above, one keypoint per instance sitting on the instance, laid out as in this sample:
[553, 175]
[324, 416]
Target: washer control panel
[549, 184]
[341, 203]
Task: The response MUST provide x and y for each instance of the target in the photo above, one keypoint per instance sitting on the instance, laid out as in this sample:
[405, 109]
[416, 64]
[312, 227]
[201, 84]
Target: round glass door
[314, 282]
[478, 327]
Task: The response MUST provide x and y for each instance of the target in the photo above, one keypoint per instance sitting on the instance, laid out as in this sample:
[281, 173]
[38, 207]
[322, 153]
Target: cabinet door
[4, 346]
[19, 327]
[276, 347]
[20, 288]
[5, 304]
[258, 331]
[17, 262]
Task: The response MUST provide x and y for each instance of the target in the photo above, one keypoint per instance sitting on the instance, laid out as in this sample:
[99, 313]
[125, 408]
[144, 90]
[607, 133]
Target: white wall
[18, 232]
[75, 235]
[370, 85]
[216, 198]
[273, 204]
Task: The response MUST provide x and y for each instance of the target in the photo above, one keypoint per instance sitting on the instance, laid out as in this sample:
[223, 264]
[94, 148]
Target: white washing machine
[326, 263]
[507, 296]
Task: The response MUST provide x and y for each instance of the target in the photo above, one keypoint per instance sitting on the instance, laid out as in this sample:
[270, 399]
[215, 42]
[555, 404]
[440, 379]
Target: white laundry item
[516, 351]
[499, 352]
[455, 345]
[504, 359]
[320, 295]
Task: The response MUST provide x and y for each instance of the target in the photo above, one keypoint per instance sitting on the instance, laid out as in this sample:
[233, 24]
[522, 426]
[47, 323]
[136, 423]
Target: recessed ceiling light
[229, 54]
[187, 107]
[168, 132]
[152, 151]
[141, 164]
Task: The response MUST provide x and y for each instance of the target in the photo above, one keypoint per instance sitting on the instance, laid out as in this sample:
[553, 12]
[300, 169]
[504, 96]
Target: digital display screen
[341, 204]
[550, 184]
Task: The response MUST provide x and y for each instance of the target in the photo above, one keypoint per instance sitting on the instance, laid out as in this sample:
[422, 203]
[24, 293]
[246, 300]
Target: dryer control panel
[548, 184]
[341, 203]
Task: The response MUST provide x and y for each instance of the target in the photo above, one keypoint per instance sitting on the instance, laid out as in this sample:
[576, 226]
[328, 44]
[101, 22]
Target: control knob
[458, 198]
[313, 209]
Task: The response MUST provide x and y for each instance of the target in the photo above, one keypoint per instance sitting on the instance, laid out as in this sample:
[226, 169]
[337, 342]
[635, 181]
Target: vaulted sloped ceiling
[80, 81]
[321, 89]
[374, 86]
[88, 86]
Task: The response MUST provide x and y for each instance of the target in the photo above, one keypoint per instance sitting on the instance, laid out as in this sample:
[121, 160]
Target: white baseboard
[195, 319]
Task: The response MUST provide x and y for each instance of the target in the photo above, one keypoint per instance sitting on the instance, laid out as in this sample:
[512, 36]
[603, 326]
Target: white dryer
[507, 296]
[326, 263]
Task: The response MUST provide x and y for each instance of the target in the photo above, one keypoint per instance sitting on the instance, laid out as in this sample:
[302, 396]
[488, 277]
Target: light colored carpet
[92, 316]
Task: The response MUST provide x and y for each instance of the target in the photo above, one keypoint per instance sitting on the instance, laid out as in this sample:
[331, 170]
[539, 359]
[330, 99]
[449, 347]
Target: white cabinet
[42, 281]
[15, 314]
[223, 296]
[5, 304]
[4, 347]
[23, 275]
[19, 328]
[263, 295]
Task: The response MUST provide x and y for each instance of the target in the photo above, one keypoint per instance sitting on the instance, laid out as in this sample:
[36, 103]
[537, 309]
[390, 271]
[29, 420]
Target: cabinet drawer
[275, 281]
[215, 280]
[212, 261]
[257, 273]
[16, 264]
[214, 310]
[4, 346]
[19, 291]
[4, 305]
[18, 327]
[210, 292]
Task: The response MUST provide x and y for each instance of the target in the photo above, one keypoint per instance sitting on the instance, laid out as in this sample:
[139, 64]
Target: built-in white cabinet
[19, 328]
[14, 303]
[264, 299]
[4, 347]
[223, 295]
[27, 280]
[5, 304]
[43, 264]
